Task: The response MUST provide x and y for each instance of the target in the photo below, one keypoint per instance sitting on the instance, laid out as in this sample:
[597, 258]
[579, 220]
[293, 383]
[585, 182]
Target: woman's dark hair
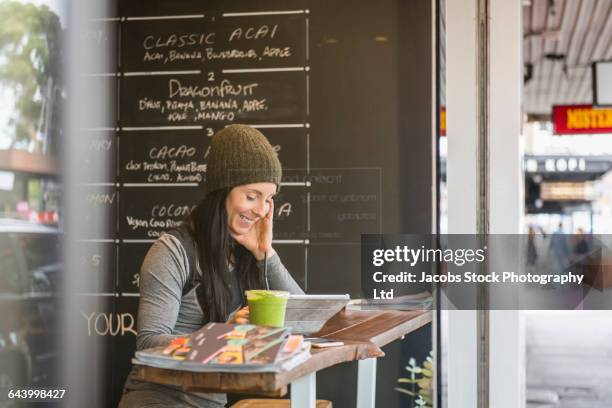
[208, 226]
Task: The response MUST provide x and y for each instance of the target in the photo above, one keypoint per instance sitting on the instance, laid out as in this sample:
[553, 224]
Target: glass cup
[267, 307]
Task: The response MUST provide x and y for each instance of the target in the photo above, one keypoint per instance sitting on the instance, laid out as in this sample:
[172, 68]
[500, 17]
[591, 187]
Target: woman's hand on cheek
[264, 232]
[248, 240]
[259, 238]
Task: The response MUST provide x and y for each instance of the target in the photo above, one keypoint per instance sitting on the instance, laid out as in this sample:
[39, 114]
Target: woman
[532, 251]
[198, 273]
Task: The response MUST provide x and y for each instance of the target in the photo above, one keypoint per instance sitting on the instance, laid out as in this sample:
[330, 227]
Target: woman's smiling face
[247, 204]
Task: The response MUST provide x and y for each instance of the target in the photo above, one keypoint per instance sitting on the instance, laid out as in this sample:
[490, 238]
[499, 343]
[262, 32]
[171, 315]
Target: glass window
[39, 250]
[9, 267]
[42, 256]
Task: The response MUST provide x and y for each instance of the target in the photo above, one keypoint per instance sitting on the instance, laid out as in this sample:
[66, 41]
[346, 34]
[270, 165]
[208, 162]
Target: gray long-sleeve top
[164, 312]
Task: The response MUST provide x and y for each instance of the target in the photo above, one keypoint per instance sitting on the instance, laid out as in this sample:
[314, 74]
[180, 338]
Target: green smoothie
[267, 307]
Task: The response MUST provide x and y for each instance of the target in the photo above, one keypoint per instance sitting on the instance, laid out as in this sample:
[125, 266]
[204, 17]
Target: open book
[416, 301]
[229, 348]
[308, 313]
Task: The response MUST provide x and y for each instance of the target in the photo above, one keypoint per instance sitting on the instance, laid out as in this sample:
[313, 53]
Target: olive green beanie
[240, 154]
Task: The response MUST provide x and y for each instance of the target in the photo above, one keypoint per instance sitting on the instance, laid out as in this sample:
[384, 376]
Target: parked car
[30, 273]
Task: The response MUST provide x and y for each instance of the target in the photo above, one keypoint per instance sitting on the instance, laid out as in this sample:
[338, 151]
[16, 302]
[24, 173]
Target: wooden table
[363, 332]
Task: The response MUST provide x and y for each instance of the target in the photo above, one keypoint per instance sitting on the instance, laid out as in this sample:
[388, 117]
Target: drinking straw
[266, 270]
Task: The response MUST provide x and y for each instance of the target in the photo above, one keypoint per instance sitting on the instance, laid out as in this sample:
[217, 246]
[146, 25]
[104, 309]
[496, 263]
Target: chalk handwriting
[113, 324]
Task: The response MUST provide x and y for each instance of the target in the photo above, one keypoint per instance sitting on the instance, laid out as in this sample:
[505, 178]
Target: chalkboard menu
[321, 80]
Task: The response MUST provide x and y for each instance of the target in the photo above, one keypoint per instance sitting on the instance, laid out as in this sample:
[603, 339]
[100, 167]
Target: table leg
[304, 391]
[366, 383]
